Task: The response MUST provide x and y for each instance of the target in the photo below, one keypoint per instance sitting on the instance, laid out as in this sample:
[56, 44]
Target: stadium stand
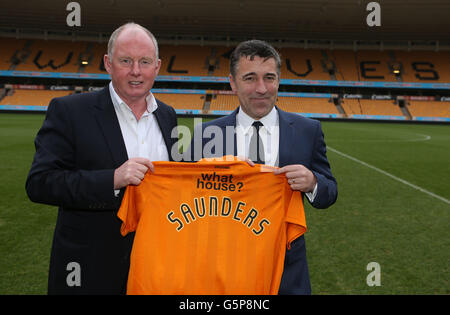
[57, 56]
[31, 97]
[8, 55]
[93, 54]
[425, 66]
[303, 63]
[182, 101]
[60, 56]
[307, 105]
[429, 109]
[373, 66]
[371, 107]
[184, 60]
[220, 59]
[346, 69]
[298, 63]
[224, 102]
[189, 60]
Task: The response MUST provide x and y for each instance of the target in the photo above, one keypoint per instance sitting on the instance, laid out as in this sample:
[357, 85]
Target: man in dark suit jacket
[292, 142]
[89, 148]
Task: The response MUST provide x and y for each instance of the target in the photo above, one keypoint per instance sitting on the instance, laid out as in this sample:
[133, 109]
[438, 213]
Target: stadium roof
[239, 19]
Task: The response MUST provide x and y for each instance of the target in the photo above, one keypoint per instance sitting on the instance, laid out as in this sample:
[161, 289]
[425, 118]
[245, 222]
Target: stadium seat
[374, 66]
[371, 107]
[182, 101]
[32, 97]
[222, 65]
[9, 52]
[429, 109]
[184, 60]
[303, 64]
[224, 102]
[425, 66]
[307, 105]
[190, 60]
[52, 56]
[94, 55]
[345, 64]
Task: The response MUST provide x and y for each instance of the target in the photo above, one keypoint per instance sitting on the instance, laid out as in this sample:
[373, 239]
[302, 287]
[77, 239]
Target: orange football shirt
[211, 227]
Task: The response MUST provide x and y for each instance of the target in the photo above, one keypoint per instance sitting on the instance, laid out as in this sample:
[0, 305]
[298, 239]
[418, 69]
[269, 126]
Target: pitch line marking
[423, 137]
[390, 175]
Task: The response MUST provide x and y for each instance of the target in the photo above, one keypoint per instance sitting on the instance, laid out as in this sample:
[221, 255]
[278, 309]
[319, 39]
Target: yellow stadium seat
[371, 107]
[32, 97]
[307, 105]
[182, 101]
[429, 109]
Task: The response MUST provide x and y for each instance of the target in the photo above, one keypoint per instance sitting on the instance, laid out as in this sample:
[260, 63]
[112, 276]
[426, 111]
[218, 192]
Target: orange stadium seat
[32, 97]
[184, 60]
[190, 60]
[418, 66]
[224, 102]
[95, 52]
[9, 48]
[352, 107]
[306, 105]
[425, 66]
[298, 63]
[374, 66]
[182, 101]
[371, 107]
[346, 67]
[222, 65]
[53, 56]
[290, 104]
[429, 109]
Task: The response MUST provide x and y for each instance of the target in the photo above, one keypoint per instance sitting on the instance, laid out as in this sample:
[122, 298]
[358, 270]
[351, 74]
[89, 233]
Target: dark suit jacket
[78, 147]
[301, 142]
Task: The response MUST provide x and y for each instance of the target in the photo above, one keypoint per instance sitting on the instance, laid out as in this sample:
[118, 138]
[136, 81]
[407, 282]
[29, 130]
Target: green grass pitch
[393, 209]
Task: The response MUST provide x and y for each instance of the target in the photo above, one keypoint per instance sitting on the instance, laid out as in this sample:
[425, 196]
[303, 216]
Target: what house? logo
[218, 182]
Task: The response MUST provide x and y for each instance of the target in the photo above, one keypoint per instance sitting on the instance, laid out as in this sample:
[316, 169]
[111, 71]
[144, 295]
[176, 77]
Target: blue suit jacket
[301, 142]
[78, 147]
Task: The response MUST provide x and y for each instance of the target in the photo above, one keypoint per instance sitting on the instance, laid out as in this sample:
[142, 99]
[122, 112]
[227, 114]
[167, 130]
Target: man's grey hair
[116, 33]
[252, 48]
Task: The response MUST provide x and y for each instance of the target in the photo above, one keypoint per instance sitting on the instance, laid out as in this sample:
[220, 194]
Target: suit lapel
[286, 139]
[109, 124]
[229, 121]
[164, 126]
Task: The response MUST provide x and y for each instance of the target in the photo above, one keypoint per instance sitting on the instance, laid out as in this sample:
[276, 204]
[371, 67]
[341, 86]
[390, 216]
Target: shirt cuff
[312, 195]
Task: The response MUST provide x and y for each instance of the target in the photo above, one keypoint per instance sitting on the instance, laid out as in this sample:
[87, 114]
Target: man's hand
[131, 172]
[299, 177]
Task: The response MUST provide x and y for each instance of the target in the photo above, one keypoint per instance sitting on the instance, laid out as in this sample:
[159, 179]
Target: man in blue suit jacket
[290, 141]
[89, 148]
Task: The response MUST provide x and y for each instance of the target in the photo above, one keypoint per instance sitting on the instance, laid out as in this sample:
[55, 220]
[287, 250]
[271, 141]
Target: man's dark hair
[251, 49]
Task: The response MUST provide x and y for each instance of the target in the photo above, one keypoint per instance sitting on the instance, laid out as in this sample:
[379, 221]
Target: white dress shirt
[143, 137]
[269, 133]
[270, 137]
